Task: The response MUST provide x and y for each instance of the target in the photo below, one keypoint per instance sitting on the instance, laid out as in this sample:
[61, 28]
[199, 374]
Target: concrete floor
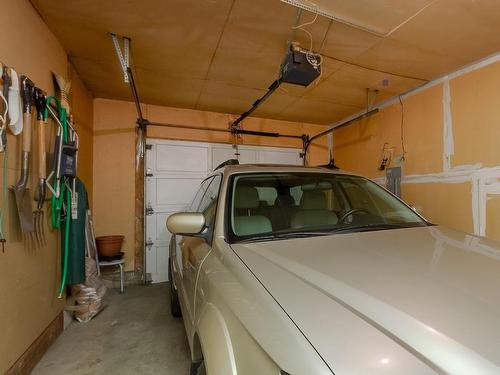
[134, 334]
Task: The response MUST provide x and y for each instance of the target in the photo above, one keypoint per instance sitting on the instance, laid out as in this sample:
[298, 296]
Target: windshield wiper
[283, 236]
[344, 229]
[373, 226]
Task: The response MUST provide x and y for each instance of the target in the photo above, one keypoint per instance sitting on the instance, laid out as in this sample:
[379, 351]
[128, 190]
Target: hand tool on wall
[20, 189]
[40, 194]
[5, 94]
[63, 87]
[3, 146]
[15, 106]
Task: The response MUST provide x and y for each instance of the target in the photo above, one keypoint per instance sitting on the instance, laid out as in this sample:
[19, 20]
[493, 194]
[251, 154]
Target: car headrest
[246, 197]
[313, 200]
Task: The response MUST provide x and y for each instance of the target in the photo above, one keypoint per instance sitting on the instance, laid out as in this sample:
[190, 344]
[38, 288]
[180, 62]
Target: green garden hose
[66, 242]
[57, 202]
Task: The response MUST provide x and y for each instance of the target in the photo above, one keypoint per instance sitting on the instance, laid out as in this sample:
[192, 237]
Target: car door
[179, 257]
[196, 248]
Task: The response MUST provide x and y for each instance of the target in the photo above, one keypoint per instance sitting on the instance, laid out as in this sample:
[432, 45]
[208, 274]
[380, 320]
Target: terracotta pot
[109, 246]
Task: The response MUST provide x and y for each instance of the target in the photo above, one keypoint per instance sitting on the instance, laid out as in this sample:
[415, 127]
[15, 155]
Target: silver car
[300, 271]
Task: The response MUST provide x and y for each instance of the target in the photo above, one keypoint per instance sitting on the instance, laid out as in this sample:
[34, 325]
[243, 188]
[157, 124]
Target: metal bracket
[305, 145]
[149, 209]
[123, 57]
[149, 146]
[143, 124]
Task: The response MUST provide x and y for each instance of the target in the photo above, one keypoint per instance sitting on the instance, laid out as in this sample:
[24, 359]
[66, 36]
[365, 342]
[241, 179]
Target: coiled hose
[57, 202]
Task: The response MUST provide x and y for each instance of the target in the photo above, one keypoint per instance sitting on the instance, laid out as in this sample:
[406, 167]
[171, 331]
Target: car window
[356, 196]
[208, 203]
[195, 203]
[267, 195]
[263, 204]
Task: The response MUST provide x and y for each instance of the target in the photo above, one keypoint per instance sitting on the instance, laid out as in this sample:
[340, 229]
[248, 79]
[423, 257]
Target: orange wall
[475, 109]
[114, 160]
[82, 104]
[29, 277]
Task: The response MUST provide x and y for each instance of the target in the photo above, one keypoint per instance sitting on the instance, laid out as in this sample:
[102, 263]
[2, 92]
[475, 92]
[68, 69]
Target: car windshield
[281, 205]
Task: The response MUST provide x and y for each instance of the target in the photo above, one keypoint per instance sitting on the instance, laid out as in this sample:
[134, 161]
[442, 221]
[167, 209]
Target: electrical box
[393, 178]
[297, 69]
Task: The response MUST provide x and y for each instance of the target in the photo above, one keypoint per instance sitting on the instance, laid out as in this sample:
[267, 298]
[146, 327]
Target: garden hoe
[20, 189]
[41, 192]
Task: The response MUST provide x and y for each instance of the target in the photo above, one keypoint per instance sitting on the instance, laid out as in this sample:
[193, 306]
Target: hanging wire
[314, 59]
[402, 127]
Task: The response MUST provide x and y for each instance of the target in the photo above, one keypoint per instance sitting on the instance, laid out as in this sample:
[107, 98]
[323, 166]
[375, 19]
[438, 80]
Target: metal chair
[113, 263]
[91, 246]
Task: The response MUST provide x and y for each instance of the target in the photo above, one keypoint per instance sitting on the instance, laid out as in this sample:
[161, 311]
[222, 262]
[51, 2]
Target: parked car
[295, 270]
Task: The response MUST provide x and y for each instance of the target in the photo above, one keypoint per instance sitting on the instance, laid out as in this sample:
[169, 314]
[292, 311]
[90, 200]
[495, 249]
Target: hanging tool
[15, 105]
[5, 94]
[64, 87]
[3, 141]
[53, 181]
[20, 189]
[40, 194]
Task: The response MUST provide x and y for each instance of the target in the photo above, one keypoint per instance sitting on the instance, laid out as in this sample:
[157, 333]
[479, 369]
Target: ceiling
[221, 55]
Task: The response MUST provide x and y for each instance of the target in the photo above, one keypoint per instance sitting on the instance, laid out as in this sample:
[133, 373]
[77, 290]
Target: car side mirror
[186, 223]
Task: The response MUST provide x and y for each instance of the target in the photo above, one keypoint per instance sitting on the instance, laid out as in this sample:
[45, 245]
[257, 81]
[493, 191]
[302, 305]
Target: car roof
[247, 168]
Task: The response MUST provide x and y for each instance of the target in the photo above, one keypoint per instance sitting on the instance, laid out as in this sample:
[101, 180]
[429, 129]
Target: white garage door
[174, 171]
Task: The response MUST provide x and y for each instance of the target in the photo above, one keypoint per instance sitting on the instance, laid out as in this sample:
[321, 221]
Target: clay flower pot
[109, 246]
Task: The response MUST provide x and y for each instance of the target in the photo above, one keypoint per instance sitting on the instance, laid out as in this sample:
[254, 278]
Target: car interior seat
[313, 211]
[247, 220]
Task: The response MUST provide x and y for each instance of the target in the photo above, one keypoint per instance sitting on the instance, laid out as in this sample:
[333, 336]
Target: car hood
[405, 301]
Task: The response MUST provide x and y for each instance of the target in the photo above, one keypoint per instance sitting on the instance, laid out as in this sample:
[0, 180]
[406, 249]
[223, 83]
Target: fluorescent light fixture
[316, 7]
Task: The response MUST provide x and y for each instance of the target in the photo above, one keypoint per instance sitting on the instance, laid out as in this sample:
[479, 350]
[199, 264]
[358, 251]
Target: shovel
[20, 189]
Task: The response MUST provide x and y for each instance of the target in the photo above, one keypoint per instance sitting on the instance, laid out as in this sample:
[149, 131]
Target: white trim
[448, 144]
[457, 73]
[485, 181]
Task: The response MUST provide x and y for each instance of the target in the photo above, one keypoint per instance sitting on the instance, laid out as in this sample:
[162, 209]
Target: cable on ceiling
[314, 59]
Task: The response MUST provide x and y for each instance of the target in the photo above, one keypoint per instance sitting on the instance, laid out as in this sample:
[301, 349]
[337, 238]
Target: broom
[63, 87]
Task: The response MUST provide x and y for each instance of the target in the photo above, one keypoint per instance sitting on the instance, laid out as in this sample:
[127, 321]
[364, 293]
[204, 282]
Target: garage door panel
[162, 234]
[151, 262]
[173, 158]
[247, 156]
[176, 191]
[161, 263]
[291, 157]
[222, 153]
[176, 171]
